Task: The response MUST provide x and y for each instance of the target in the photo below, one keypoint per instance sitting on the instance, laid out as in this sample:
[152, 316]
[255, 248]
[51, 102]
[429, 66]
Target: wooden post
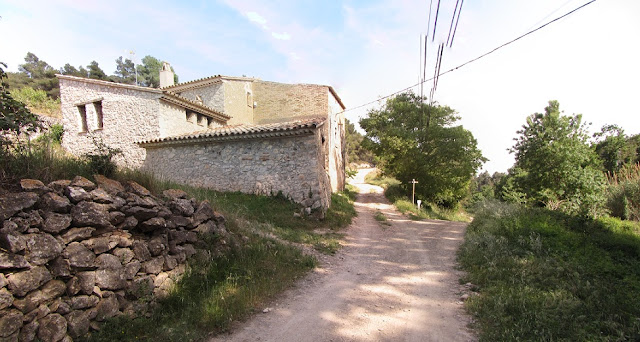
[413, 194]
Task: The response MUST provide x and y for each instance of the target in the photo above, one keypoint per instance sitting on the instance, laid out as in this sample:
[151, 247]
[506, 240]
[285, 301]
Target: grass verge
[546, 276]
[395, 195]
[214, 293]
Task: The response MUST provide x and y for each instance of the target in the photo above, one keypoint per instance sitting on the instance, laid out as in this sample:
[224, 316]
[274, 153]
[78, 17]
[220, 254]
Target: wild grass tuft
[623, 193]
[543, 275]
[214, 293]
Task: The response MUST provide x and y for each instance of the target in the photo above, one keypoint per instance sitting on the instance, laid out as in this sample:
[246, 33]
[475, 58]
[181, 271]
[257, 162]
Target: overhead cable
[456, 27]
[474, 59]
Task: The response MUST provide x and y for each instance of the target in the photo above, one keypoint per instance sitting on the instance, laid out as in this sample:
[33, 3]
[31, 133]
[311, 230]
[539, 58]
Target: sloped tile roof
[241, 131]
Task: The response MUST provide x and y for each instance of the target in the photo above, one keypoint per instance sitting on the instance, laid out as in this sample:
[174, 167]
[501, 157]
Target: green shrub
[101, 160]
[37, 100]
[545, 275]
[623, 200]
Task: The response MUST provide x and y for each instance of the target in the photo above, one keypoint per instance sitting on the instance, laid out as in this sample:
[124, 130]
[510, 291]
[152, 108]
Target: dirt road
[389, 283]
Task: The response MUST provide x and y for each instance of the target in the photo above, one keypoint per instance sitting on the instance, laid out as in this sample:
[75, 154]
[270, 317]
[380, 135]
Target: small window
[98, 107]
[202, 120]
[192, 117]
[210, 123]
[83, 118]
[249, 100]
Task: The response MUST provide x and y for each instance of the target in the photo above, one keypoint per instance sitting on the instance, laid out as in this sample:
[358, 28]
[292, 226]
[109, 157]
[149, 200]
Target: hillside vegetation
[543, 275]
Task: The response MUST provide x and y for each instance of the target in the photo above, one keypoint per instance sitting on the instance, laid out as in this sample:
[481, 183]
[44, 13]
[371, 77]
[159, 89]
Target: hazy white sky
[588, 61]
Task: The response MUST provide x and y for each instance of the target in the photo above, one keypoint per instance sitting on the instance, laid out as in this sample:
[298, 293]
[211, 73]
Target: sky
[588, 61]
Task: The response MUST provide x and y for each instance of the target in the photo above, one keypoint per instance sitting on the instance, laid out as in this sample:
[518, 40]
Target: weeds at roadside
[544, 275]
[380, 217]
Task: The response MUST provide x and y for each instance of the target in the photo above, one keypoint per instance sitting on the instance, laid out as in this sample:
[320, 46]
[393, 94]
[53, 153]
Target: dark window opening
[98, 107]
[83, 118]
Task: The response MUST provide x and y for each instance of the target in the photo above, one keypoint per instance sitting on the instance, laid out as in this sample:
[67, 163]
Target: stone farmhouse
[224, 133]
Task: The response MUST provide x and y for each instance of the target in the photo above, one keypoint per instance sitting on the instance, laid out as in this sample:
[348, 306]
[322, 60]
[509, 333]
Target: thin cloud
[254, 17]
[281, 36]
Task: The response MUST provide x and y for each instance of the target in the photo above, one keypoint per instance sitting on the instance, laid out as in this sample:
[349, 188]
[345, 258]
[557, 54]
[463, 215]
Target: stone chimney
[166, 75]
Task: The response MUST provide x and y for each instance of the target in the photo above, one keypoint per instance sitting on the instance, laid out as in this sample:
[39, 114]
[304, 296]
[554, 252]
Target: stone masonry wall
[212, 96]
[74, 254]
[278, 102]
[129, 115]
[292, 165]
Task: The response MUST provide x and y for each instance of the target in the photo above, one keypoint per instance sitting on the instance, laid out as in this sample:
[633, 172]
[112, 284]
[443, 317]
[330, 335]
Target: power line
[453, 17]
[474, 59]
[435, 24]
[456, 28]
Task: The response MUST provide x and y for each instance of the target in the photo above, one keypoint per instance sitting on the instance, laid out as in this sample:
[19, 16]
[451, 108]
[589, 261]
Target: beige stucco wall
[129, 115]
[336, 150]
[278, 102]
[292, 165]
[173, 121]
[236, 103]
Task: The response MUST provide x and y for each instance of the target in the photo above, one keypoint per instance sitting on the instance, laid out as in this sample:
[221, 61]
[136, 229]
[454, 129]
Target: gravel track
[392, 282]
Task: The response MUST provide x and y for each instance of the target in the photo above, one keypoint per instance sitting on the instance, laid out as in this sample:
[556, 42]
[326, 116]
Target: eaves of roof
[335, 95]
[194, 106]
[202, 82]
[109, 83]
[239, 132]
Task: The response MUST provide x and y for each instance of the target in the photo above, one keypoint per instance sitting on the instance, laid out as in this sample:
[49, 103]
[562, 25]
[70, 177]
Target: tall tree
[557, 167]
[149, 72]
[37, 74]
[125, 71]
[356, 153]
[615, 148]
[412, 139]
[95, 71]
[36, 68]
[70, 70]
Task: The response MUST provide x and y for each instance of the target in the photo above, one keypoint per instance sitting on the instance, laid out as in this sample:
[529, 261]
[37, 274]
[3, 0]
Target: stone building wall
[173, 121]
[278, 102]
[292, 165]
[129, 114]
[336, 149]
[212, 96]
[74, 254]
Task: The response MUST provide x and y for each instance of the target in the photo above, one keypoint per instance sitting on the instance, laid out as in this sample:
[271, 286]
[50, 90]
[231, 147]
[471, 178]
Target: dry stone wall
[75, 253]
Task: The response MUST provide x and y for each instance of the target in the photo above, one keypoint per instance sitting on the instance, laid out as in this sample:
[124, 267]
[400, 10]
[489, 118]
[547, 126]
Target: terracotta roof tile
[242, 131]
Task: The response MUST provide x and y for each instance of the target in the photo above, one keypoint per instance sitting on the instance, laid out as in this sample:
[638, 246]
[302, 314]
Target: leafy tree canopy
[356, 153]
[615, 148]
[555, 165]
[15, 117]
[414, 140]
[149, 72]
[125, 71]
[37, 74]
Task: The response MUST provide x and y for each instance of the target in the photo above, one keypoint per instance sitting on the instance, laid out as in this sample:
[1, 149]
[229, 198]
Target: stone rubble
[74, 253]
